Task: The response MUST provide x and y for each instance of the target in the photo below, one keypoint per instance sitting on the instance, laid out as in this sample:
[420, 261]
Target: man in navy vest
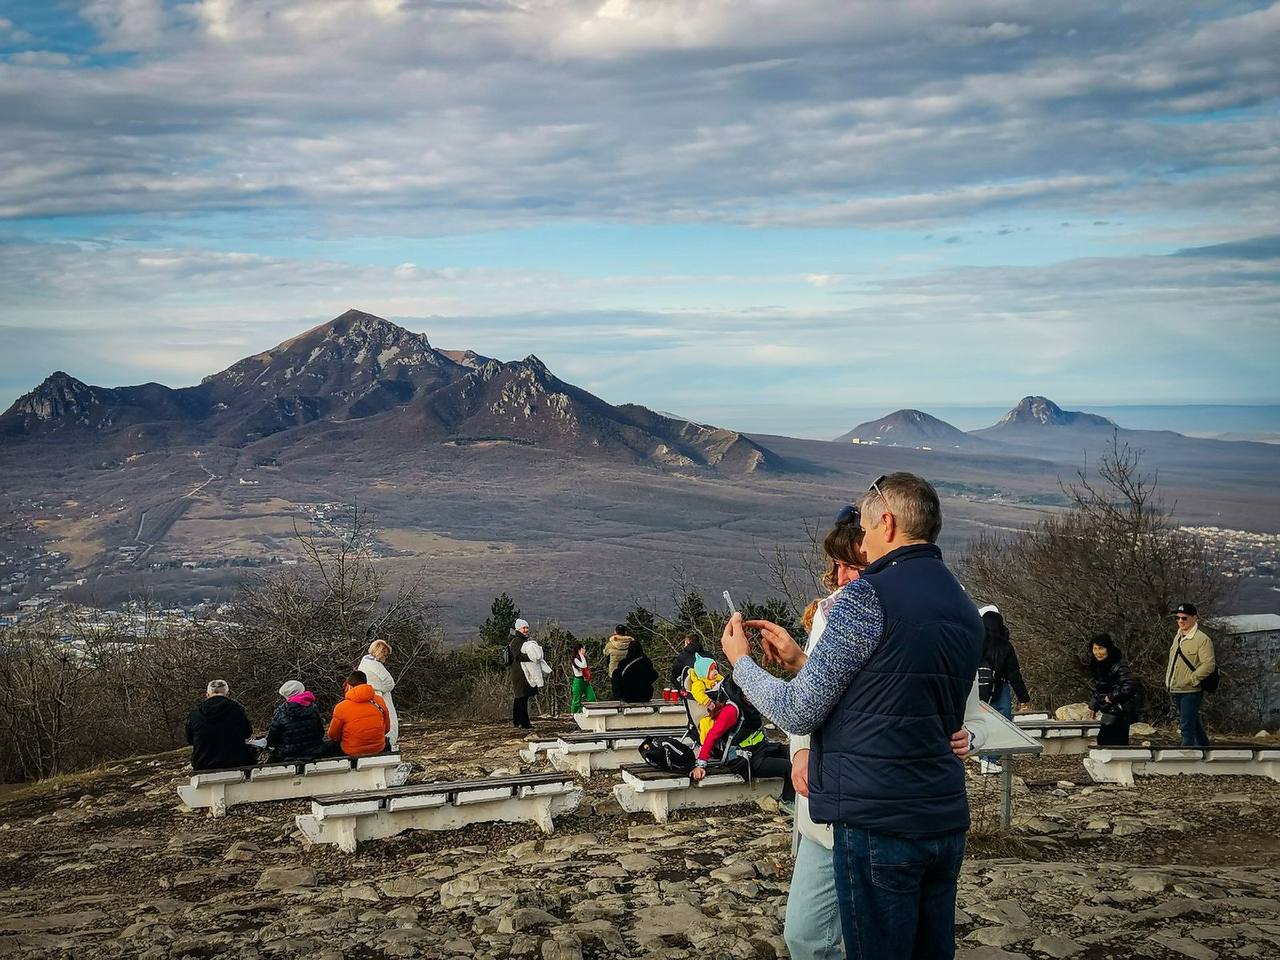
[881, 696]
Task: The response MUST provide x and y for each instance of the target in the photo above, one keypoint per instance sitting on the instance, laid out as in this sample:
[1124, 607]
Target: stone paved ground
[108, 865]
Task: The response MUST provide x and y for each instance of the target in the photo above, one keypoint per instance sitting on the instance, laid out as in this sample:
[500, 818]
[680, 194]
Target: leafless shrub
[1113, 561]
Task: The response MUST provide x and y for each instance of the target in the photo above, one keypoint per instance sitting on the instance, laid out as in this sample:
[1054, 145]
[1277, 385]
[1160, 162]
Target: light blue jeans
[1003, 703]
[812, 928]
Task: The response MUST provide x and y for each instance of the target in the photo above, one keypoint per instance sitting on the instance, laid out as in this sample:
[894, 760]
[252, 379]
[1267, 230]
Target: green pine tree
[640, 623]
[502, 617]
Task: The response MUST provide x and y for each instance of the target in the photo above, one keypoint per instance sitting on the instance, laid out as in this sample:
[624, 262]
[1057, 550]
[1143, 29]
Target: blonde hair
[807, 619]
[379, 644]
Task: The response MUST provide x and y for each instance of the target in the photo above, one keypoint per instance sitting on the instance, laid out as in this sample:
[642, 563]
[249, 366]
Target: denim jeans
[897, 895]
[1003, 704]
[812, 928]
[1189, 725]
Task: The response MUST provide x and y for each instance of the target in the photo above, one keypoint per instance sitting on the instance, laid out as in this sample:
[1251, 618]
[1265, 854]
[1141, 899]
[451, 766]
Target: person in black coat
[1116, 692]
[217, 731]
[634, 679]
[297, 729]
[999, 675]
[684, 660]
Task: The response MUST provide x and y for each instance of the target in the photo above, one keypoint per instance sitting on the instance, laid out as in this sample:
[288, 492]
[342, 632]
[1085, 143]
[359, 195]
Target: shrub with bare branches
[1114, 561]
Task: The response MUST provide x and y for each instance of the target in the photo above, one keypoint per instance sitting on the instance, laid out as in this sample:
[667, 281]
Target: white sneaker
[990, 766]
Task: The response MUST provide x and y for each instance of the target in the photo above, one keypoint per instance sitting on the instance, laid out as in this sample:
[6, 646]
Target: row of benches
[368, 798]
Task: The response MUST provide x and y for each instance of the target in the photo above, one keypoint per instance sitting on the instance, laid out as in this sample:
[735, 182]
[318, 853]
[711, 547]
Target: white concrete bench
[1121, 764]
[619, 715]
[585, 753]
[645, 789]
[219, 789]
[532, 798]
[1059, 737]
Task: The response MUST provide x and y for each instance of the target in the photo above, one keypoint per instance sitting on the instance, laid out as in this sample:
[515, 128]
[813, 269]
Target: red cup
[669, 695]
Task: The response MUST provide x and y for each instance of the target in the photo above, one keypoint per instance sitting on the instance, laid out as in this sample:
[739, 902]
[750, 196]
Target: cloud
[487, 114]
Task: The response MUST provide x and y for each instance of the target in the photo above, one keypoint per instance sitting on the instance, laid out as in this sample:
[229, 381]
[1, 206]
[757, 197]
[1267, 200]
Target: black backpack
[669, 753]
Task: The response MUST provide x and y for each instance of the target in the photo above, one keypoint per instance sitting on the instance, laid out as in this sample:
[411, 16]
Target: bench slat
[586, 736]
[423, 789]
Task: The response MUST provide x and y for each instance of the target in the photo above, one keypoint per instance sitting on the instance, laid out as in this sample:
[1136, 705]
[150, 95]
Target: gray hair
[217, 688]
[913, 502]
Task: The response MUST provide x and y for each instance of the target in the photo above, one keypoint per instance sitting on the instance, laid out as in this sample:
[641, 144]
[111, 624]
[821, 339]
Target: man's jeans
[1189, 725]
[1003, 704]
[812, 928]
[897, 896]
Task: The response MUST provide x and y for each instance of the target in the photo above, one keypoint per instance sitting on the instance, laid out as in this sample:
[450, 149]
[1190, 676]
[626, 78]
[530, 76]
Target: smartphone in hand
[728, 602]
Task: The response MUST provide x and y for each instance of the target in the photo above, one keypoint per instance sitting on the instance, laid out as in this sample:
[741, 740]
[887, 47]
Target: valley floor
[106, 864]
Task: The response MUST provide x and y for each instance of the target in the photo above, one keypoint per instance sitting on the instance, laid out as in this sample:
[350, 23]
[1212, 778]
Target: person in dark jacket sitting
[296, 731]
[633, 680]
[691, 650]
[1116, 692]
[217, 731]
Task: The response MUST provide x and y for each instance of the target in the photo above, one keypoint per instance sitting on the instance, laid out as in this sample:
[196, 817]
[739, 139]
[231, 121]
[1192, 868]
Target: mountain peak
[1041, 411]
[907, 428]
[58, 395]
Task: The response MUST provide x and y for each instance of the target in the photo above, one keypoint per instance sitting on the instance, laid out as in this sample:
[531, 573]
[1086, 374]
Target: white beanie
[989, 608]
[291, 688]
[520, 624]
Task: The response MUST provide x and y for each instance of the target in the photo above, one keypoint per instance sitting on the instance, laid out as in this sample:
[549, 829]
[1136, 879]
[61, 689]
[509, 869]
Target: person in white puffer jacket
[812, 926]
[373, 665]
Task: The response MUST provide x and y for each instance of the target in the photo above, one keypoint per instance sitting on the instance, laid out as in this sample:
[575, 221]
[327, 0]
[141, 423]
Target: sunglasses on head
[849, 514]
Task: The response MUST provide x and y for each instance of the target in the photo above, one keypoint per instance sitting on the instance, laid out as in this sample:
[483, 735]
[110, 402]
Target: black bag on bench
[669, 753]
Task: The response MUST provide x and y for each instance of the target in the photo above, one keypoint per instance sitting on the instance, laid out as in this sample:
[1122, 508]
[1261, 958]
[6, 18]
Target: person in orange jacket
[360, 722]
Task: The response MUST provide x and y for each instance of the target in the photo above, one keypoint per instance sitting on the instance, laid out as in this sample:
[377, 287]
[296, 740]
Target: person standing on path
[373, 666]
[999, 675]
[1191, 660]
[521, 689]
[882, 695]
[583, 691]
[1116, 691]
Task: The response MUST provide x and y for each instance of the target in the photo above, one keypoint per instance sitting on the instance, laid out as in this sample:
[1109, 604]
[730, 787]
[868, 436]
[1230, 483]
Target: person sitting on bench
[733, 729]
[296, 731]
[217, 731]
[360, 722]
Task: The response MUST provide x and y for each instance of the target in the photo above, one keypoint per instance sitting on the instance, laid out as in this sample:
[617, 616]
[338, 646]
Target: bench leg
[542, 816]
[579, 763]
[218, 800]
[653, 802]
[1117, 771]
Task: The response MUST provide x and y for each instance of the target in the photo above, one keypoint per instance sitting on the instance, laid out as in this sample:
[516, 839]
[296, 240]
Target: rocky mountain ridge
[359, 367]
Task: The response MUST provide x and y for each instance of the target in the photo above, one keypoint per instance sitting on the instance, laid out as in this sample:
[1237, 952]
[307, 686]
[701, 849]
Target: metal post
[1006, 790]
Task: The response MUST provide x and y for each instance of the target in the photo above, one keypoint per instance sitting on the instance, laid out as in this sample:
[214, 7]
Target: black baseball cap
[1188, 608]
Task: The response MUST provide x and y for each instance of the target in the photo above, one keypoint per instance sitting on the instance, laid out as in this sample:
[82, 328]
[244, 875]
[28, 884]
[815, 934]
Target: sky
[757, 213]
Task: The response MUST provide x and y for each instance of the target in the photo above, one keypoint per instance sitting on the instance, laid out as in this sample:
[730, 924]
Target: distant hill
[915, 429]
[362, 368]
[1033, 415]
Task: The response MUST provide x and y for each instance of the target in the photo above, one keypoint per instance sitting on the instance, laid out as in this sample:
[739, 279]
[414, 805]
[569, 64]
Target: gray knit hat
[291, 688]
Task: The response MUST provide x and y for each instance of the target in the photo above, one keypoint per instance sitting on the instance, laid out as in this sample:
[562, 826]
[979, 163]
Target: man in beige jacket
[1190, 661]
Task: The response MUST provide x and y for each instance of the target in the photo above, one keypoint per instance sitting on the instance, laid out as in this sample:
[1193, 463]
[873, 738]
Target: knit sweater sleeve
[854, 628]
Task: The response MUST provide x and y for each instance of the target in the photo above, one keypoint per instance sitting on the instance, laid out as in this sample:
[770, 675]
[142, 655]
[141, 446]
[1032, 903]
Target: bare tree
[1115, 560]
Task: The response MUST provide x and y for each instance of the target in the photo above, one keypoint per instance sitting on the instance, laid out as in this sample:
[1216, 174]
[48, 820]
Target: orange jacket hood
[361, 693]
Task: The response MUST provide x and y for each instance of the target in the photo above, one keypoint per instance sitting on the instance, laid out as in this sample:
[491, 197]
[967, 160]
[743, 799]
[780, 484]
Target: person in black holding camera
[1116, 692]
